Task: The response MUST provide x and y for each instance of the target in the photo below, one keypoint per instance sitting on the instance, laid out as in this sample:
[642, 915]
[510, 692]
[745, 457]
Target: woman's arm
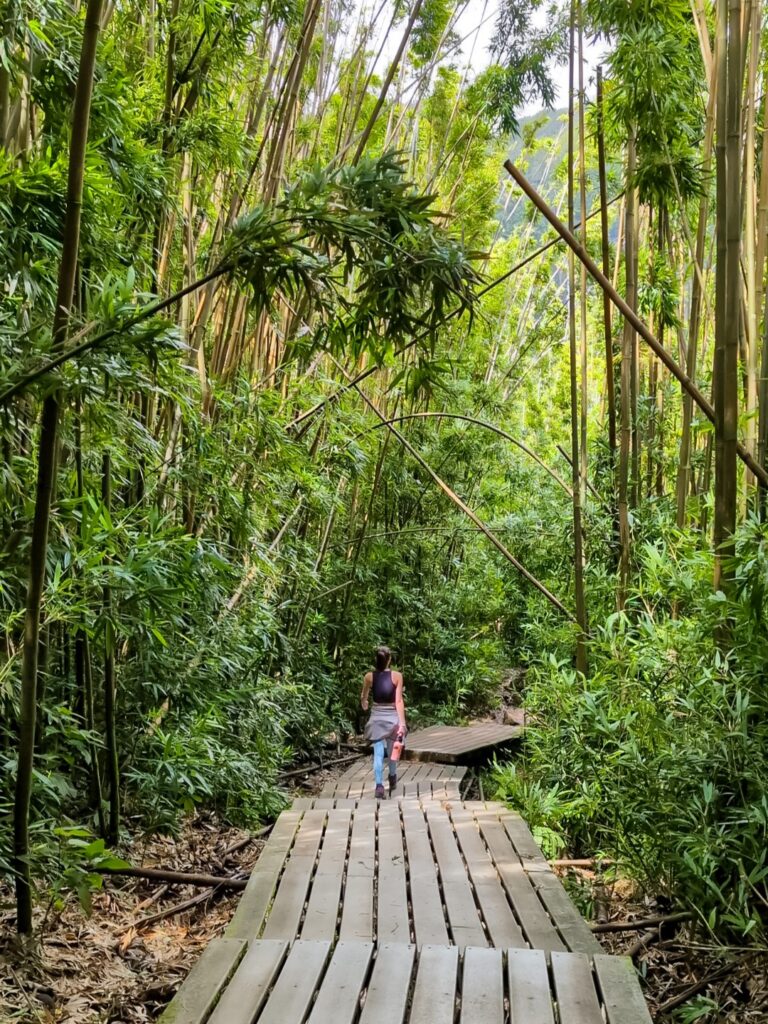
[368, 679]
[399, 702]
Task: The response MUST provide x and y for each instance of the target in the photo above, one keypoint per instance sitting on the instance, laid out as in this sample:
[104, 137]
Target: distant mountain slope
[540, 150]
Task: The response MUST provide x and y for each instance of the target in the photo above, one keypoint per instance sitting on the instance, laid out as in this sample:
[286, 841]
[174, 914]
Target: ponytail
[383, 658]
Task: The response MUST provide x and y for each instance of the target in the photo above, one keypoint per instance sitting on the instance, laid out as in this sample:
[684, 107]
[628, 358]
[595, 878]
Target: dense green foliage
[238, 529]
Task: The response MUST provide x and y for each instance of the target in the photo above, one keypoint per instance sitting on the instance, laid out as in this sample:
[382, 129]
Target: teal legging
[378, 760]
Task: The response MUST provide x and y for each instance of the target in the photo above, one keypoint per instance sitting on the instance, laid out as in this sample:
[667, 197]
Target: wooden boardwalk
[413, 779]
[415, 910]
[454, 744]
[274, 982]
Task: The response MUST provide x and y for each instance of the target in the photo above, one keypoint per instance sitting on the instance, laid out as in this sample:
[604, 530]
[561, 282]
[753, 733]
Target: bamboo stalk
[576, 440]
[46, 467]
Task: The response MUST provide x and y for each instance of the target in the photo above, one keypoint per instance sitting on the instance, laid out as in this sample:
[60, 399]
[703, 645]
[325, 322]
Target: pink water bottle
[397, 747]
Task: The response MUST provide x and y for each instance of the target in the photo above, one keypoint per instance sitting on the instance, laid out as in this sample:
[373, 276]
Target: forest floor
[123, 963]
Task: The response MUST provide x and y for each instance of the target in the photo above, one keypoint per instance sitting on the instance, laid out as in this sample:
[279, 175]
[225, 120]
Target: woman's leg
[392, 765]
[378, 762]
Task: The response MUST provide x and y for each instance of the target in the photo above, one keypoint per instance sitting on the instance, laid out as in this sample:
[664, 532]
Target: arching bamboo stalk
[451, 494]
[480, 423]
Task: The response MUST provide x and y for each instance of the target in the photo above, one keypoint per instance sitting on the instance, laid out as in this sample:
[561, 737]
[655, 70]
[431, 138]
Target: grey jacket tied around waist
[382, 723]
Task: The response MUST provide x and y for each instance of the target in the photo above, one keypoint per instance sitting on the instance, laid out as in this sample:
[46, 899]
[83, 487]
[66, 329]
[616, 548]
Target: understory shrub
[660, 757]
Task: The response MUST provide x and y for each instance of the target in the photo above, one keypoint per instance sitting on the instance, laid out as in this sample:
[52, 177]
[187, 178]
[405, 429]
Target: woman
[387, 719]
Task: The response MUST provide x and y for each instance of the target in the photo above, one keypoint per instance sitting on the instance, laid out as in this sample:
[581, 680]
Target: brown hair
[383, 658]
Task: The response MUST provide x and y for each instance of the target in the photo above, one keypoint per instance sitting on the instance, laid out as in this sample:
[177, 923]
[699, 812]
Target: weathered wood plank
[575, 990]
[622, 996]
[254, 903]
[245, 994]
[387, 995]
[522, 839]
[426, 901]
[536, 924]
[295, 988]
[482, 987]
[530, 999]
[202, 987]
[392, 923]
[463, 915]
[338, 999]
[357, 911]
[569, 922]
[288, 906]
[499, 920]
[323, 907]
[434, 994]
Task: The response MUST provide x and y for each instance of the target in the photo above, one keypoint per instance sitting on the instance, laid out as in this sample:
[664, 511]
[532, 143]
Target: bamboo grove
[292, 366]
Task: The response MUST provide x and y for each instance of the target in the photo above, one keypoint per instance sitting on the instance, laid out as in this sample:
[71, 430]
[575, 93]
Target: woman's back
[383, 688]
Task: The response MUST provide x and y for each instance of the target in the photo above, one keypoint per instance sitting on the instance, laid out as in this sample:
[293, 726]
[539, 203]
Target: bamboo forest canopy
[290, 367]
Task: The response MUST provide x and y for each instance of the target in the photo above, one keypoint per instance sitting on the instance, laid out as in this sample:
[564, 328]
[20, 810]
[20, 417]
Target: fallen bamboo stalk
[584, 862]
[154, 898]
[641, 922]
[629, 314]
[177, 908]
[246, 840]
[316, 767]
[176, 877]
[643, 942]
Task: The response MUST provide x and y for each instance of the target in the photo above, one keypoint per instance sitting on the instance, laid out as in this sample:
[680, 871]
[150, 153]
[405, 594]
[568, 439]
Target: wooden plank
[356, 787]
[344, 803]
[390, 983]
[530, 999]
[392, 923]
[575, 990]
[500, 922]
[525, 845]
[203, 985]
[534, 920]
[288, 906]
[339, 996]
[463, 915]
[325, 803]
[482, 987]
[434, 994]
[325, 897]
[244, 996]
[254, 903]
[294, 989]
[303, 803]
[622, 996]
[426, 901]
[357, 909]
[569, 922]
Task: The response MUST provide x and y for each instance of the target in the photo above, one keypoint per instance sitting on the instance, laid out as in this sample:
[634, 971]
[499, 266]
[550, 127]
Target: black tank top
[383, 688]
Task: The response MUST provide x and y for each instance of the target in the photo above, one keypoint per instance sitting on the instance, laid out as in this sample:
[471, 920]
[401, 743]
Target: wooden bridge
[422, 909]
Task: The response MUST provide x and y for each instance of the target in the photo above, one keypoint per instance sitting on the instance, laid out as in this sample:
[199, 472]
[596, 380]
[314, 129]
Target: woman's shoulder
[397, 677]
